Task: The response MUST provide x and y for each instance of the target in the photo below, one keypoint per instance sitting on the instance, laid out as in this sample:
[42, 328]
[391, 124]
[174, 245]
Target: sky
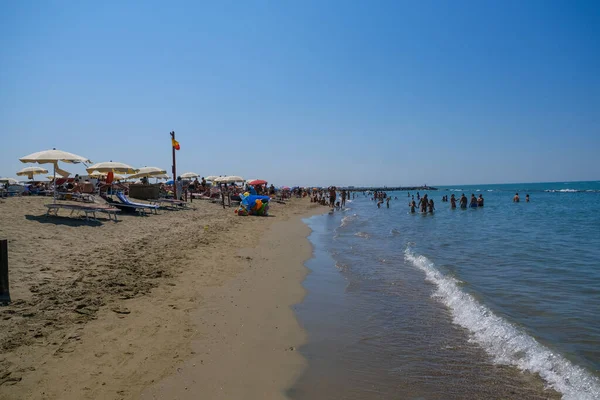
[308, 92]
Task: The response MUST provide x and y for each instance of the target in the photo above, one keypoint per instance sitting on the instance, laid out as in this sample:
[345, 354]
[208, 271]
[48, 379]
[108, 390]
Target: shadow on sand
[68, 221]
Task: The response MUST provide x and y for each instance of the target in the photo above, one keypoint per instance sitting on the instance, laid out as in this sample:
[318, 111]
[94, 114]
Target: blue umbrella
[170, 182]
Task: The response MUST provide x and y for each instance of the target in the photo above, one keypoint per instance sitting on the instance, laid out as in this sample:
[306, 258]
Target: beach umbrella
[114, 167]
[53, 157]
[162, 176]
[211, 178]
[169, 182]
[148, 172]
[232, 179]
[257, 182]
[285, 188]
[29, 172]
[189, 175]
[10, 181]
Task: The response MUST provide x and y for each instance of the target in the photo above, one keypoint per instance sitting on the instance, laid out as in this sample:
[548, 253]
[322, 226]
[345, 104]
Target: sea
[495, 302]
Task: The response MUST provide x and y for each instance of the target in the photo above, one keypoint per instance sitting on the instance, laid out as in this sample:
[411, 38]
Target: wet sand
[177, 304]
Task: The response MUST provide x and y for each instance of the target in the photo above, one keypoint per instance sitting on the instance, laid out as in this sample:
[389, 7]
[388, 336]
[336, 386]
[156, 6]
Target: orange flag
[175, 144]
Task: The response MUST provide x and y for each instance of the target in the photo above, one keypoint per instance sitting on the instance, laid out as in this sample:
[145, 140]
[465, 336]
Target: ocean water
[501, 301]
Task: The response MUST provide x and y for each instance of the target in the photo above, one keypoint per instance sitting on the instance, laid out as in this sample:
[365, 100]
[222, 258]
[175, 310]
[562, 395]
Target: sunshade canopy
[111, 166]
[52, 156]
[10, 181]
[189, 175]
[211, 178]
[31, 171]
[257, 182]
[148, 172]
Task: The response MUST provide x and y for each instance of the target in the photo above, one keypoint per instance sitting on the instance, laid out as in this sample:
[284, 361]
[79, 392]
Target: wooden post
[4, 293]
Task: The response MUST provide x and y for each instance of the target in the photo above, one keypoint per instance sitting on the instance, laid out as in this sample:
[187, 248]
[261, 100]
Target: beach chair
[139, 207]
[89, 210]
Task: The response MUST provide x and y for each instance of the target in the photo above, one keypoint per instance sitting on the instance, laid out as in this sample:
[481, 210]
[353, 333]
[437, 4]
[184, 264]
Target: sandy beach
[184, 304]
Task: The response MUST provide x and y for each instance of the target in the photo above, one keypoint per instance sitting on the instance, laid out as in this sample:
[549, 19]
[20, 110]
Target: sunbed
[89, 210]
[139, 207]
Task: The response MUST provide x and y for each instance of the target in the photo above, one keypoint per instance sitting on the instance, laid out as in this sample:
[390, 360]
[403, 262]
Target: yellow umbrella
[29, 172]
[110, 166]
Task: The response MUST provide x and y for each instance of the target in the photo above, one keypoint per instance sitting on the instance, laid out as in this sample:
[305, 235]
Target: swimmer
[526, 198]
[516, 198]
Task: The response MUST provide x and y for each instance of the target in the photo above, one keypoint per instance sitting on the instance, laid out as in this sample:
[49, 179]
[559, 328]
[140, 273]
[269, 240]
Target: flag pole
[174, 165]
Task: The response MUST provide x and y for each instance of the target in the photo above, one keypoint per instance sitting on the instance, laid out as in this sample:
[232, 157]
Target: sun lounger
[139, 207]
[89, 210]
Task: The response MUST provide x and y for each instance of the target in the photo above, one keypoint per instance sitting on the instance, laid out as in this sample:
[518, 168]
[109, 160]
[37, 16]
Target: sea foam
[503, 341]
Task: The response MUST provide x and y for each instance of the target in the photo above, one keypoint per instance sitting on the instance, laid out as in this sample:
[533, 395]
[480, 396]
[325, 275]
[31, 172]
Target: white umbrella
[189, 175]
[229, 179]
[53, 157]
[111, 166]
[233, 178]
[97, 174]
[211, 178]
[148, 172]
[31, 171]
[10, 181]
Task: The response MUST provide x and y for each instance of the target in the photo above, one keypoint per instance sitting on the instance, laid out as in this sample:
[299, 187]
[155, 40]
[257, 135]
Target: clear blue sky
[308, 92]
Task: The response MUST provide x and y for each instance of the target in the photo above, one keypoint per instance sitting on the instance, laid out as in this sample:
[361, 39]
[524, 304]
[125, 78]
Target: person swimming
[516, 198]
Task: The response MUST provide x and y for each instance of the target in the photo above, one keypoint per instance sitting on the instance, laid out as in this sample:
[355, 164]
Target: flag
[175, 144]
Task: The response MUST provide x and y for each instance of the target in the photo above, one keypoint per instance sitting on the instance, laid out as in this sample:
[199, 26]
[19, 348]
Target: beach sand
[184, 304]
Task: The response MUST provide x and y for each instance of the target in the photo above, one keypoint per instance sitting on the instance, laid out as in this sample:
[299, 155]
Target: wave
[362, 235]
[561, 190]
[348, 219]
[503, 341]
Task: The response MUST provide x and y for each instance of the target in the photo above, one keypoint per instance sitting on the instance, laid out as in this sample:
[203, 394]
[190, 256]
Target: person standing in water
[423, 203]
[463, 201]
[480, 201]
[452, 201]
[412, 206]
[473, 200]
[418, 196]
[343, 198]
[431, 206]
[526, 198]
[388, 202]
[516, 198]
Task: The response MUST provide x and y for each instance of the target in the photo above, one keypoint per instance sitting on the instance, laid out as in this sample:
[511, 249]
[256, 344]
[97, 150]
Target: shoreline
[138, 344]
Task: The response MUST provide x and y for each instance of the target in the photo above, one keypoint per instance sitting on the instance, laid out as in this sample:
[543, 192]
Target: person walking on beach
[516, 198]
[463, 201]
[452, 201]
[480, 201]
[332, 195]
